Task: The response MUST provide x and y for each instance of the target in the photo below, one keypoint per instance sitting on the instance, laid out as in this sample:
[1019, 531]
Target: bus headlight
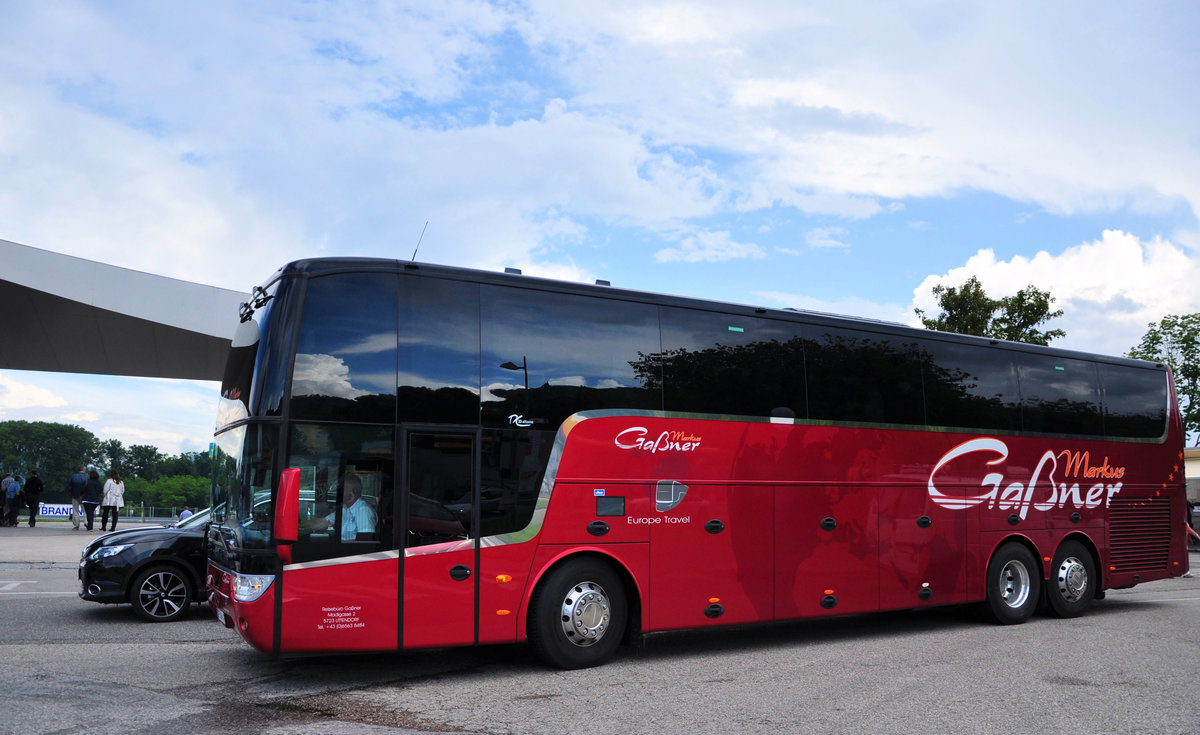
[250, 587]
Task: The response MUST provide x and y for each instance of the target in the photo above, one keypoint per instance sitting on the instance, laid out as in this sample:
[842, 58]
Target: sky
[840, 156]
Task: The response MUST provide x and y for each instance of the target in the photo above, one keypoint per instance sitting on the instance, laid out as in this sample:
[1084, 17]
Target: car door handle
[458, 572]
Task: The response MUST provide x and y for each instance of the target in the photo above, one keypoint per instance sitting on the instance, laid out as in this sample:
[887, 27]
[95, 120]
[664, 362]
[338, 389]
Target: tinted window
[863, 376]
[1059, 395]
[439, 351]
[440, 480]
[1135, 401]
[242, 482]
[345, 368]
[724, 364]
[970, 386]
[513, 462]
[547, 355]
[346, 488]
[276, 319]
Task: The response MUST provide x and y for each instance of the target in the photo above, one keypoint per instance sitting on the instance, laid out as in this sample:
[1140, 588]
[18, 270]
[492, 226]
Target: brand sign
[1053, 484]
[639, 438]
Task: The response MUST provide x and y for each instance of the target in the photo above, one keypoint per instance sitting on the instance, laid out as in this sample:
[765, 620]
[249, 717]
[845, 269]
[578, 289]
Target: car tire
[161, 594]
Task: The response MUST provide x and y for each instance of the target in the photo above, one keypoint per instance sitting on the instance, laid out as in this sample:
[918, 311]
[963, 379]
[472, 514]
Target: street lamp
[524, 368]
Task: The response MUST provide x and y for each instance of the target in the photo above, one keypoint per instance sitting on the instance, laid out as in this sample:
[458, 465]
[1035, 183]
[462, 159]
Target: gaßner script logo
[638, 437]
[1040, 491]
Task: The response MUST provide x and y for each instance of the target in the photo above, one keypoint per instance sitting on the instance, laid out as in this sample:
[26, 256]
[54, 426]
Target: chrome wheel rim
[162, 594]
[1014, 584]
[585, 614]
[1072, 579]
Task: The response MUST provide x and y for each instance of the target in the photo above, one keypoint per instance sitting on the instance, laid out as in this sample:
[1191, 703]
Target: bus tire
[1014, 581]
[1072, 584]
[578, 614]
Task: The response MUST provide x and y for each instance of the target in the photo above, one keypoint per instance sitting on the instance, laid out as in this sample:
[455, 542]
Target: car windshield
[198, 518]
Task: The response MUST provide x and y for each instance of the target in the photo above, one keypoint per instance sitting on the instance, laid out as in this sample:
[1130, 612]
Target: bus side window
[1059, 395]
[346, 488]
[1134, 400]
[856, 375]
[724, 364]
[548, 355]
[970, 387]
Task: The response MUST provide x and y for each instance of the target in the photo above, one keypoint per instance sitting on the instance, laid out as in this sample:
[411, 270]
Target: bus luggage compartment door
[826, 550]
[710, 557]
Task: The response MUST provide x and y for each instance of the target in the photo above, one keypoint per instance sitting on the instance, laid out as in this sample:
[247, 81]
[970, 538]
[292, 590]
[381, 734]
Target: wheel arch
[633, 591]
[171, 562]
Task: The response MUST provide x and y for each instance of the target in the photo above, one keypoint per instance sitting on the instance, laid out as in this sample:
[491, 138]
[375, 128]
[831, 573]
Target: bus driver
[358, 517]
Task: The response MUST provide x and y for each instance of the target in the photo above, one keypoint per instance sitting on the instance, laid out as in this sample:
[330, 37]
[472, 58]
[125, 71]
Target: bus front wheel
[1013, 582]
[1072, 583]
[577, 615]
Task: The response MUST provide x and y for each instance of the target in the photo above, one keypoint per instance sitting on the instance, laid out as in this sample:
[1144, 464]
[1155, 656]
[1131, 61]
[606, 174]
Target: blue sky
[837, 156]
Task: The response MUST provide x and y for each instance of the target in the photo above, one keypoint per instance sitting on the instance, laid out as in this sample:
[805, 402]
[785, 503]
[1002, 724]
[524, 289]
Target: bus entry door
[440, 506]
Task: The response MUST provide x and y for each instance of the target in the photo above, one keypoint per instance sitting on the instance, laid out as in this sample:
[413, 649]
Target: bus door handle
[458, 572]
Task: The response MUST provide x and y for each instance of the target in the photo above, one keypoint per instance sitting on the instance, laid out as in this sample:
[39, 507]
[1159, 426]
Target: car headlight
[106, 551]
[250, 587]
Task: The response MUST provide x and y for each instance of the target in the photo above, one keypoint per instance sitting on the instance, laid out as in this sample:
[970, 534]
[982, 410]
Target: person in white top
[358, 517]
[114, 499]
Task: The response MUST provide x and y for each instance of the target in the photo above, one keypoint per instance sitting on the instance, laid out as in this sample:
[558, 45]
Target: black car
[159, 570]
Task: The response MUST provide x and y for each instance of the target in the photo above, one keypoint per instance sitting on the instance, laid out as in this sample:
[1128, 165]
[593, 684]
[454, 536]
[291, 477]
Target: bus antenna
[419, 239]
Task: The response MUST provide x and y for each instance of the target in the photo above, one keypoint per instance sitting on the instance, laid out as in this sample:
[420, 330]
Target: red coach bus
[413, 456]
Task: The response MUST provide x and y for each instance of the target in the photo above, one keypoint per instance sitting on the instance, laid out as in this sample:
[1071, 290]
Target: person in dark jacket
[75, 488]
[33, 496]
[93, 491]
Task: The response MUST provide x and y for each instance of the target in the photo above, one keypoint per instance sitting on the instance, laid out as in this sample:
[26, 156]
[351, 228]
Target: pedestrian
[93, 493]
[75, 488]
[185, 514]
[33, 496]
[4, 485]
[12, 499]
[114, 499]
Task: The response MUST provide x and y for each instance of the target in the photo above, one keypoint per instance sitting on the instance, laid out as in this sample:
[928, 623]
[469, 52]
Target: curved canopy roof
[66, 314]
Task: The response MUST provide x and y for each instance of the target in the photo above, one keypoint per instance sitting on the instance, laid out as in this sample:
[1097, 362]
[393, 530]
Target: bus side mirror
[287, 506]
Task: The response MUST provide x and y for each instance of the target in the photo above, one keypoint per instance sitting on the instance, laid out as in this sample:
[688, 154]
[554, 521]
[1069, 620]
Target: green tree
[54, 450]
[113, 455]
[142, 461]
[180, 490]
[1175, 340]
[137, 491]
[969, 310]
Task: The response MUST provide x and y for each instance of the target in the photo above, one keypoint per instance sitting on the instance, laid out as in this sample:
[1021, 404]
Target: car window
[195, 519]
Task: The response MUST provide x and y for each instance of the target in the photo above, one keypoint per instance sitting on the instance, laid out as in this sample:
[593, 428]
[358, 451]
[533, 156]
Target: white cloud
[713, 247]
[82, 417]
[16, 394]
[1109, 289]
[852, 306]
[826, 237]
[323, 375]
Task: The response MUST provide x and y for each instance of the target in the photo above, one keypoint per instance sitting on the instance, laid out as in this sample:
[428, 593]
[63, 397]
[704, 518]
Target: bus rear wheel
[578, 614]
[1013, 582]
[1072, 584]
